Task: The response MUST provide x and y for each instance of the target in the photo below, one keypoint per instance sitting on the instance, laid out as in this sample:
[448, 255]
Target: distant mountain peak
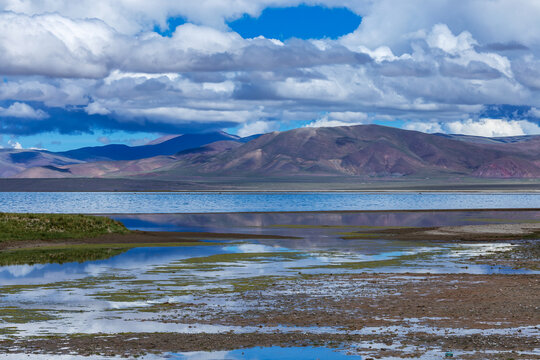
[163, 138]
[161, 146]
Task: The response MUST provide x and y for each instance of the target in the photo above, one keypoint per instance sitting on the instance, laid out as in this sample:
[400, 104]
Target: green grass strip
[15, 227]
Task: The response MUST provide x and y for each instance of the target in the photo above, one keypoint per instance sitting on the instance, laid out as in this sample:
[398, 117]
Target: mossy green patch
[15, 315]
[15, 289]
[84, 283]
[218, 261]
[353, 265]
[8, 331]
[239, 257]
[59, 254]
[15, 227]
[173, 269]
[255, 283]
[167, 306]
[127, 295]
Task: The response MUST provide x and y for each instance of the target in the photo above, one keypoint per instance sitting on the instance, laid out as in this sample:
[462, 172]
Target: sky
[93, 72]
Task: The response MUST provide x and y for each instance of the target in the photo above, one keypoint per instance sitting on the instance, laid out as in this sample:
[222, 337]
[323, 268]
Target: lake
[197, 202]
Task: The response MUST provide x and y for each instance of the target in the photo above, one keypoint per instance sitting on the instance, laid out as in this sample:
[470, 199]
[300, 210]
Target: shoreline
[321, 212]
[135, 237]
[272, 184]
[289, 191]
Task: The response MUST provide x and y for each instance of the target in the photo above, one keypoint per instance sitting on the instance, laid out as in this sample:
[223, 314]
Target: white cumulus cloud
[57, 46]
[534, 112]
[21, 110]
[256, 127]
[96, 108]
[333, 119]
[14, 145]
[482, 127]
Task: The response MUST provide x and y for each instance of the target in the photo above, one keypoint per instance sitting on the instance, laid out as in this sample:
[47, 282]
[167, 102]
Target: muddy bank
[139, 237]
[133, 345]
[353, 302]
[374, 315]
[485, 233]
[526, 255]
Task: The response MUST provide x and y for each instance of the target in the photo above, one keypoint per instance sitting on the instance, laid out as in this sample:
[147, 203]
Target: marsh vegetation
[17, 227]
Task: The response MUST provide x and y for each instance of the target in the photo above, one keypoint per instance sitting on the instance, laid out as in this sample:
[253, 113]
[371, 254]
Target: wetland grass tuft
[239, 257]
[14, 227]
[15, 315]
[57, 256]
[373, 264]
[66, 253]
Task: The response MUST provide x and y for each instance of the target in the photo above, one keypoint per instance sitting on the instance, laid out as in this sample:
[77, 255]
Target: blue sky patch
[303, 22]
[172, 23]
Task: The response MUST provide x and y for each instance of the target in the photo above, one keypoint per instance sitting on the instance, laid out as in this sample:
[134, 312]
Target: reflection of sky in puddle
[73, 323]
[136, 259]
[133, 259]
[267, 353]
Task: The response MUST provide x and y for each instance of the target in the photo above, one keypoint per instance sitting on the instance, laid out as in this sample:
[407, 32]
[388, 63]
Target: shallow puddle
[269, 353]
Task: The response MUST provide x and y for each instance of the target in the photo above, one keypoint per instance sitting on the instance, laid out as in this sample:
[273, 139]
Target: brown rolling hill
[362, 150]
[13, 162]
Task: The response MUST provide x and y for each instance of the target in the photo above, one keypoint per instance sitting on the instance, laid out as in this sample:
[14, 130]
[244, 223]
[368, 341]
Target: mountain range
[168, 147]
[370, 151]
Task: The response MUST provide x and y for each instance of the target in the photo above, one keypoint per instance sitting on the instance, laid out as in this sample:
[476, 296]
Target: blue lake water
[103, 203]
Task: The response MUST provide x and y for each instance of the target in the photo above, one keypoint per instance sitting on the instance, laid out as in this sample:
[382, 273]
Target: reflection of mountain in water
[309, 226]
[256, 222]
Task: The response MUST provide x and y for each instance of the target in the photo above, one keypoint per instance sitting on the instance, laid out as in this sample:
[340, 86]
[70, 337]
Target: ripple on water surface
[100, 203]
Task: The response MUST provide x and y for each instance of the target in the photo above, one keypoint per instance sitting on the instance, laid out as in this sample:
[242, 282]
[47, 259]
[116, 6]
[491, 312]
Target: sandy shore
[526, 229]
[489, 232]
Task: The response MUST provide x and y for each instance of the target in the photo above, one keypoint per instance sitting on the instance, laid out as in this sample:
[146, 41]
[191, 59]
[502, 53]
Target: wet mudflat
[343, 285]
